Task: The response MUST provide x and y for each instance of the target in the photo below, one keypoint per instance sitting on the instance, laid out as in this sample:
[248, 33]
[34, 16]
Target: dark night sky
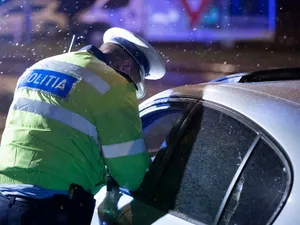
[288, 5]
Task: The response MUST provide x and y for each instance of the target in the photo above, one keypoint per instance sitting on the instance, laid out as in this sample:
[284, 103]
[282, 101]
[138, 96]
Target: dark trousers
[58, 210]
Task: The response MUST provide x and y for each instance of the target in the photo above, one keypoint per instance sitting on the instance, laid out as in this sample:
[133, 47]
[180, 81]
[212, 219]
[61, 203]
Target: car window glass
[203, 165]
[157, 127]
[260, 189]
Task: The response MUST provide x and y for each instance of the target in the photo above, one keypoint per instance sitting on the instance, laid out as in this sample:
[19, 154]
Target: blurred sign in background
[162, 21]
[211, 20]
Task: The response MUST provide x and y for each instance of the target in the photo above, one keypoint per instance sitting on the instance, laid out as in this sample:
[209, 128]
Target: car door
[159, 118]
[219, 168]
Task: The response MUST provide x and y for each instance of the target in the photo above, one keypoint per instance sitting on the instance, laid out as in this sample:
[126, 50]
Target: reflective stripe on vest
[87, 75]
[57, 113]
[124, 149]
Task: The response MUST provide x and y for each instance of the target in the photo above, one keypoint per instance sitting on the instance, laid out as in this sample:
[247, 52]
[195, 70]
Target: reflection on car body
[228, 154]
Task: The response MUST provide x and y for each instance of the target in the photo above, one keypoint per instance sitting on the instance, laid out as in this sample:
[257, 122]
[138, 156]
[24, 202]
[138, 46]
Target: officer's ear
[125, 66]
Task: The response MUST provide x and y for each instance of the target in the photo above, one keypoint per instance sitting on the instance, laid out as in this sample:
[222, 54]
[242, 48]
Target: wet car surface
[225, 152]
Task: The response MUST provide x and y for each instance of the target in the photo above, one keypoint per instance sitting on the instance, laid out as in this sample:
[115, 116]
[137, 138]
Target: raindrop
[168, 60]
[225, 63]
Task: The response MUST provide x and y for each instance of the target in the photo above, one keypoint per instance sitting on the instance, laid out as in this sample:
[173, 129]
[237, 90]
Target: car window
[157, 126]
[203, 165]
[260, 189]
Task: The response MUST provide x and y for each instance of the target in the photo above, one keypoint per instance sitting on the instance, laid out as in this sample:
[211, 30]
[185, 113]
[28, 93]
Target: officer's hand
[108, 209]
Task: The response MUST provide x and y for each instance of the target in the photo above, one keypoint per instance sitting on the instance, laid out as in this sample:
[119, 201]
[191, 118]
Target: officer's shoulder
[110, 75]
[63, 55]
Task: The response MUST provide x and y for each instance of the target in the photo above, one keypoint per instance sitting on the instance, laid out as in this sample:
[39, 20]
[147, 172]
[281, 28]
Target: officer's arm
[123, 146]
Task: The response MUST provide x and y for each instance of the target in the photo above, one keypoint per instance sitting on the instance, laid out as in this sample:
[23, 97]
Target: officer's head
[134, 57]
[121, 60]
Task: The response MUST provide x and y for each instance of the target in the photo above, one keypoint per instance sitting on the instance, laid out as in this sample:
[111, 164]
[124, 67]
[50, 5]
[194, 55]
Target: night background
[199, 40]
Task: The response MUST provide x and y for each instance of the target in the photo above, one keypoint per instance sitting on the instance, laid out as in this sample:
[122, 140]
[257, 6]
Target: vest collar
[101, 56]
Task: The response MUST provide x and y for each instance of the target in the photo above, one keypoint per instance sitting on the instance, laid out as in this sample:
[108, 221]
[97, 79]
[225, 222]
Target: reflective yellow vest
[71, 115]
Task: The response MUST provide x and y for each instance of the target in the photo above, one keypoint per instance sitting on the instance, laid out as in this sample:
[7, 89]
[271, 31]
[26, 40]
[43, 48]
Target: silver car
[225, 152]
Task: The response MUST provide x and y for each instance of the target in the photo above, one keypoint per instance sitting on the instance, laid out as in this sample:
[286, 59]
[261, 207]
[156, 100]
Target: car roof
[285, 90]
[273, 105]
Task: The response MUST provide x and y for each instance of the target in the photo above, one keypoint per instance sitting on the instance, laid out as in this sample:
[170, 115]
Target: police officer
[72, 116]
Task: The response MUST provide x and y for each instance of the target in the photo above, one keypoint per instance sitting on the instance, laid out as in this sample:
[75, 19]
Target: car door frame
[158, 106]
[161, 160]
[261, 135]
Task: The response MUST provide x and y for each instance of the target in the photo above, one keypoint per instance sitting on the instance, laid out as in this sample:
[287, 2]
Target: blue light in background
[236, 7]
[212, 17]
[272, 15]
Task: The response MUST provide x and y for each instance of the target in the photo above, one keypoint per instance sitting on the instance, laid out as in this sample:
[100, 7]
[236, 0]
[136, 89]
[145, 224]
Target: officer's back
[72, 116]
